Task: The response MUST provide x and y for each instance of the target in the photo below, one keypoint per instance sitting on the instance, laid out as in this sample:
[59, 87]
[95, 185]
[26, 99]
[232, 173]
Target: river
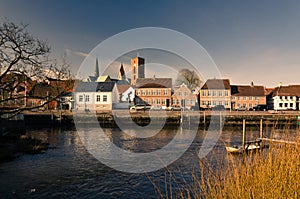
[67, 170]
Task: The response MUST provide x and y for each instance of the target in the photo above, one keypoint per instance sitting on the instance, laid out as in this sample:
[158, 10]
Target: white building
[285, 98]
[126, 93]
[95, 96]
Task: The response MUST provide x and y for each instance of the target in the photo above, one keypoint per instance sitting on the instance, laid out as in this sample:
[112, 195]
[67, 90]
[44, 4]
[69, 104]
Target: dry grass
[273, 174]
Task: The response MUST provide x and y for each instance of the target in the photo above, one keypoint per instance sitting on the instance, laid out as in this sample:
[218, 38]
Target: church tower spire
[96, 69]
[121, 75]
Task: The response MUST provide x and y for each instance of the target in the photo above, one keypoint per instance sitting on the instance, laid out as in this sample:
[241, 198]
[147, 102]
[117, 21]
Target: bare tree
[188, 77]
[23, 60]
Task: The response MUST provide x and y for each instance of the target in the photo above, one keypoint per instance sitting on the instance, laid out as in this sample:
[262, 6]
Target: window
[158, 101]
[233, 98]
[209, 103]
[203, 93]
[104, 98]
[280, 104]
[165, 92]
[203, 102]
[250, 105]
[226, 103]
[256, 98]
[153, 92]
[226, 93]
[214, 93]
[98, 98]
[143, 92]
[87, 98]
[291, 105]
[185, 93]
[187, 101]
[239, 98]
[209, 93]
[245, 98]
[180, 94]
[148, 92]
[192, 102]
[214, 103]
[250, 97]
[153, 101]
[158, 92]
[285, 104]
[178, 102]
[220, 103]
[80, 98]
[173, 101]
[163, 101]
[220, 93]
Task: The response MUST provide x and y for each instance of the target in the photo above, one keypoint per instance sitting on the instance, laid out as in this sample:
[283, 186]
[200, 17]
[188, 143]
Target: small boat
[234, 149]
[239, 149]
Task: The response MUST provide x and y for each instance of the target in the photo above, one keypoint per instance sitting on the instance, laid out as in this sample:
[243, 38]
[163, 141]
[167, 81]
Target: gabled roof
[291, 90]
[104, 78]
[123, 88]
[44, 90]
[238, 90]
[95, 87]
[212, 84]
[154, 83]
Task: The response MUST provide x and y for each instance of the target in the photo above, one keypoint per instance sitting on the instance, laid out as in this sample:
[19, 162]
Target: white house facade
[95, 96]
[285, 98]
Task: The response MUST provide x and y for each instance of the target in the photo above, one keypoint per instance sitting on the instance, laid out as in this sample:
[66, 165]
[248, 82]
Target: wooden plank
[277, 141]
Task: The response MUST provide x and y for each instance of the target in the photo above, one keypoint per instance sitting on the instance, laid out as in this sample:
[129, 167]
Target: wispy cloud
[71, 52]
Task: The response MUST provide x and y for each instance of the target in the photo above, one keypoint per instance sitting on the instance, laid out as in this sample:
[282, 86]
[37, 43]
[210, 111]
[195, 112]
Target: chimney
[252, 84]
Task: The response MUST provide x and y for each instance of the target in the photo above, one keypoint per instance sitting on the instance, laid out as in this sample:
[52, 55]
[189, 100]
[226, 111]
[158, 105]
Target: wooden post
[181, 119]
[261, 128]
[52, 117]
[220, 122]
[204, 118]
[189, 120]
[244, 132]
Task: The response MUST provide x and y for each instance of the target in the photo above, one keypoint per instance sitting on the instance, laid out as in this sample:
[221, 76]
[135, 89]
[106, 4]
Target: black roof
[95, 87]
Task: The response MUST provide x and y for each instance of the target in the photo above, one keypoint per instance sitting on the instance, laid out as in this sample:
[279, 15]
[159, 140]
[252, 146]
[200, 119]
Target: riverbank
[201, 118]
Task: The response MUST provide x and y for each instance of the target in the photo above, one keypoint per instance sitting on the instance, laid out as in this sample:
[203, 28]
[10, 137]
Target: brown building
[183, 97]
[137, 69]
[215, 92]
[153, 91]
[246, 97]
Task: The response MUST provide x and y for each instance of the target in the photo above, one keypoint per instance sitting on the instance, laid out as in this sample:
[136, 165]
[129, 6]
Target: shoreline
[190, 118]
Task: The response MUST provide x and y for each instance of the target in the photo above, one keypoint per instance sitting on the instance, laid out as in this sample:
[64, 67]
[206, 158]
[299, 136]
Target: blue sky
[248, 40]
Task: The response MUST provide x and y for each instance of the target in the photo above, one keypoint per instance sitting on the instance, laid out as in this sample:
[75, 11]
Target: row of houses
[103, 93]
[18, 90]
[106, 93]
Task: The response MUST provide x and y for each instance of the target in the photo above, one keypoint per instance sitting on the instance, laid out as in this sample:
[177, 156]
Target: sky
[249, 41]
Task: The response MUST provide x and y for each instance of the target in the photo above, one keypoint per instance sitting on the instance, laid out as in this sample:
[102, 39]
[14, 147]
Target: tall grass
[274, 174]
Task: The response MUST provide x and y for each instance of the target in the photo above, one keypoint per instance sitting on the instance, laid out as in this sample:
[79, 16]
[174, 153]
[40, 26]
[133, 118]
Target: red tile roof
[212, 84]
[291, 90]
[123, 88]
[238, 90]
[154, 83]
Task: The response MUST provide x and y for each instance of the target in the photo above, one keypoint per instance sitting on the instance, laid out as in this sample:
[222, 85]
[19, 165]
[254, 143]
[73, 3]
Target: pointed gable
[212, 84]
[121, 74]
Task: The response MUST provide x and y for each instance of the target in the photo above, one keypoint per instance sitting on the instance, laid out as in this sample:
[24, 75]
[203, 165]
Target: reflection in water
[68, 170]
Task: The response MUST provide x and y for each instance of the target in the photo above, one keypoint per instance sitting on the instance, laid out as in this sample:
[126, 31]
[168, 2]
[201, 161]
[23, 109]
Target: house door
[168, 102]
